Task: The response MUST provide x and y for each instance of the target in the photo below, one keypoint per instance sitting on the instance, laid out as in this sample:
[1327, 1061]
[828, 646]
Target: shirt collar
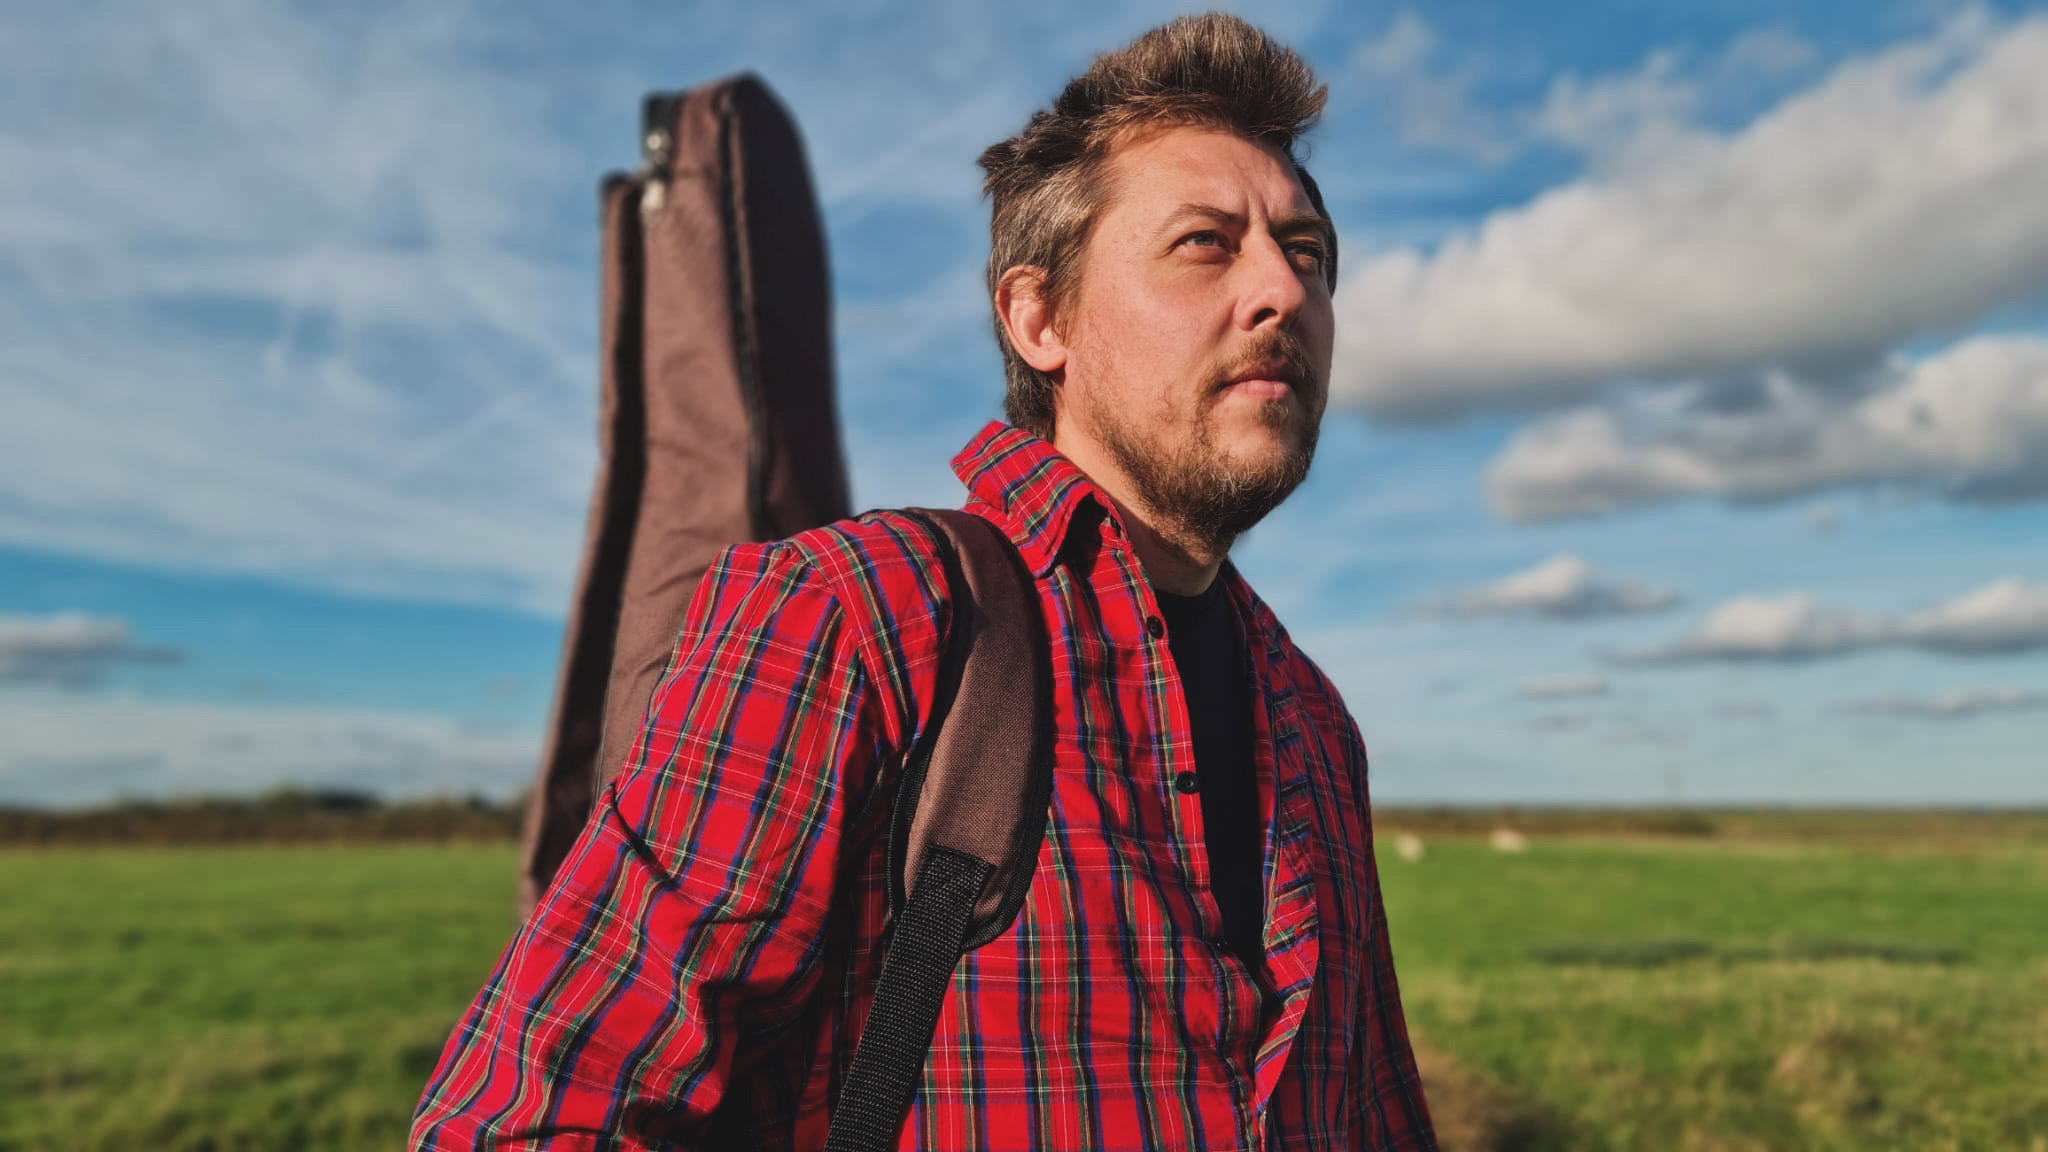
[1036, 489]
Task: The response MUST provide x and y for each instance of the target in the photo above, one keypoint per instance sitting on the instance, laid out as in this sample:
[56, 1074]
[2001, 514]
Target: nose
[1271, 292]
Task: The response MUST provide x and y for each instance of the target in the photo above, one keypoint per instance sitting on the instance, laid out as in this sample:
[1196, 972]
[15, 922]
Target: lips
[1272, 366]
[1266, 380]
[1261, 388]
[1269, 372]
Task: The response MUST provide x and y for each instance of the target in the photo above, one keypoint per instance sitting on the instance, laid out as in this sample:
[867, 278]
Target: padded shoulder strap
[969, 817]
[981, 782]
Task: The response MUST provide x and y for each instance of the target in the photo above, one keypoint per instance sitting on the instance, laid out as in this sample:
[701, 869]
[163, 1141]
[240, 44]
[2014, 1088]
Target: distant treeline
[297, 816]
[1869, 827]
[285, 816]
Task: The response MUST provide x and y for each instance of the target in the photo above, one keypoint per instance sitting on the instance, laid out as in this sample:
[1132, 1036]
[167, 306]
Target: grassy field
[235, 998]
[1790, 986]
[1607, 993]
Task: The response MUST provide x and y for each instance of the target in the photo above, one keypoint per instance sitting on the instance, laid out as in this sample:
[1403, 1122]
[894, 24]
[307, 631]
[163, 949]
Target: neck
[1175, 559]
[1170, 564]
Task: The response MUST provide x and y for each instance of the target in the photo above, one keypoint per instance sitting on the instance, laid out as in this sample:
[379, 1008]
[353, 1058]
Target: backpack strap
[969, 817]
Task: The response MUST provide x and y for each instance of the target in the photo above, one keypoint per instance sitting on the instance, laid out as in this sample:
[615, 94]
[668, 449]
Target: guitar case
[716, 421]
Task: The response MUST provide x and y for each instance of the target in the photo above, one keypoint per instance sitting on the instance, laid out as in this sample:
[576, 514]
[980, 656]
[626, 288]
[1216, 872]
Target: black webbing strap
[968, 818]
[915, 978]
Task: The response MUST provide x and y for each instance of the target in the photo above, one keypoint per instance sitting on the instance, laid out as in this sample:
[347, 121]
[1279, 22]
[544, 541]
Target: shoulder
[883, 553]
[882, 573]
[882, 568]
[877, 560]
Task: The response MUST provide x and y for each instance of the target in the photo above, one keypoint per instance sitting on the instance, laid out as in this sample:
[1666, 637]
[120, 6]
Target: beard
[1201, 499]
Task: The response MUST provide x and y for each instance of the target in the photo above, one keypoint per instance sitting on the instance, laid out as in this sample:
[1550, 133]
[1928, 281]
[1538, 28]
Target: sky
[1689, 426]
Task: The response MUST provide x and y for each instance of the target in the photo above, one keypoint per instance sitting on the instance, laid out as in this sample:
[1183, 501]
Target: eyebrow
[1284, 226]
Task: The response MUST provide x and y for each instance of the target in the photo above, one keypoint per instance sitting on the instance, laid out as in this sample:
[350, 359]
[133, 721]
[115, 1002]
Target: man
[1202, 960]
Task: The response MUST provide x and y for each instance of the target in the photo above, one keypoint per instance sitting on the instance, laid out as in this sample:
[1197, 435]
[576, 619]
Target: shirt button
[1155, 627]
[1185, 783]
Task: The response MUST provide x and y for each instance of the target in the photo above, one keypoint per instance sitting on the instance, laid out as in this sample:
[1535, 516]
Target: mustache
[1272, 346]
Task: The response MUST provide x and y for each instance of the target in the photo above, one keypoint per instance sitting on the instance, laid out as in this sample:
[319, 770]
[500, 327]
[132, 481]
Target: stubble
[1195, 496]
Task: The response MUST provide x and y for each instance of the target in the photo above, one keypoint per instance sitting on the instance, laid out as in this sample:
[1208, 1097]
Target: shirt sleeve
[692, 911]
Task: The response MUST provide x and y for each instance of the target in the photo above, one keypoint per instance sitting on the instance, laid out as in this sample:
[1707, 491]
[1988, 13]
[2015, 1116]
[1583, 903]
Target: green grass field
[1810, 991]
[235, 998]
[1645, 994]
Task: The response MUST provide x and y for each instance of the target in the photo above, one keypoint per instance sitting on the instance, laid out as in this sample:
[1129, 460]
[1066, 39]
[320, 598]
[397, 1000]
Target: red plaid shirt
[715, 936]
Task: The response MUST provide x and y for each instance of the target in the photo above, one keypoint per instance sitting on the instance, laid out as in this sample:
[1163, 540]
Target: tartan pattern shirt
[699, 971]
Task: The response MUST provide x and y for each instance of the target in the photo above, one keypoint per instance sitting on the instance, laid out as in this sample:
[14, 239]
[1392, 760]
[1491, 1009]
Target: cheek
[1170, 336]
[1138, 342]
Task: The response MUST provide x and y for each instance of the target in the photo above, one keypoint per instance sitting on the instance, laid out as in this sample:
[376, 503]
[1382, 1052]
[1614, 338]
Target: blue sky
[1690, 437]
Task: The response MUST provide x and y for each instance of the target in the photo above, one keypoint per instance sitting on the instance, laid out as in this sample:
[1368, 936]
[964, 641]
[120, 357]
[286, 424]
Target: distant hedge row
[1871, 827]
[283, 816]
[1446, 820]
[341, 816]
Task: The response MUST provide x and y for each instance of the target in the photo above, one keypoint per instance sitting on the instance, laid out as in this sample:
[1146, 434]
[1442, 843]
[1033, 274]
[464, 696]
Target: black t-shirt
[1217, 689]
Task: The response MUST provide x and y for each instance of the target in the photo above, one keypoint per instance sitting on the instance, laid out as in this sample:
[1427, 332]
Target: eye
[1206, 238]
[1308, 255]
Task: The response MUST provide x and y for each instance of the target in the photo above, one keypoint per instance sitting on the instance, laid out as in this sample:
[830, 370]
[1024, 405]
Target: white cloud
[1970, 422]
[1629, 117]
[1767, 52]
[1963, 704]
[2004, 616]
[66, 749]
[308, 291]
[272, 300]
[1896, 198]
[1563, 687]
[1432, 108]
[1562, 587]
[1597, 116]
[69, 649]
[1433, 105]
[1765, 628]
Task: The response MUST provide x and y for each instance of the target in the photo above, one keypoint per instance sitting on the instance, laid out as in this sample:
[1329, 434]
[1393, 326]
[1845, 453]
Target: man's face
[1198, 334]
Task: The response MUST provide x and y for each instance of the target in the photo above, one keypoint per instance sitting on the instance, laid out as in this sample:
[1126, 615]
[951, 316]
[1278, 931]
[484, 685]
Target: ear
[1027, 319]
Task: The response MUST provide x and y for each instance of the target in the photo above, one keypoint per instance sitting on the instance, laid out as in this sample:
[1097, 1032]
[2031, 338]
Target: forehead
[1160, 171]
